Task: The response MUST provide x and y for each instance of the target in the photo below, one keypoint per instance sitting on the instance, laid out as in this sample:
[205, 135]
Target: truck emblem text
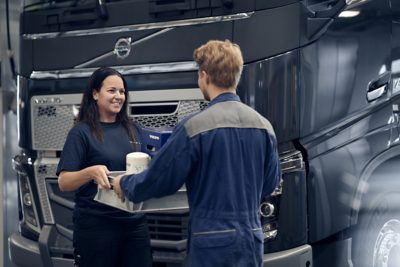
[154, 137]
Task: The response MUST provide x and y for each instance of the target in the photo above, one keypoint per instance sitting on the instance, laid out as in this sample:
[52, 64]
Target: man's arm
[167, 171]
[273, 168]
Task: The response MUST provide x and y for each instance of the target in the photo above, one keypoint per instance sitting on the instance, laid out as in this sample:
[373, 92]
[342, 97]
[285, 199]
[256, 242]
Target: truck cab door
[341, 129]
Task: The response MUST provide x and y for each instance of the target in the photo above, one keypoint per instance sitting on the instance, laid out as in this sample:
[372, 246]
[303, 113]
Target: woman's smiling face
[110, 98]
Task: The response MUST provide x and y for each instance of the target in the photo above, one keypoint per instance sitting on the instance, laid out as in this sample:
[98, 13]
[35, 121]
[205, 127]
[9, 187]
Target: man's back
[234, 146]
[235, 151]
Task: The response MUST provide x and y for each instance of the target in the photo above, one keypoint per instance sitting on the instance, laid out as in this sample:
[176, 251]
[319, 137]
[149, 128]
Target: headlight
[29, 220]
[269, 209]
[29, 212]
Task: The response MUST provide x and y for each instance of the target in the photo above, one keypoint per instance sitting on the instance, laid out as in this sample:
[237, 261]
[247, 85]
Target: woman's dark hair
[89, 112]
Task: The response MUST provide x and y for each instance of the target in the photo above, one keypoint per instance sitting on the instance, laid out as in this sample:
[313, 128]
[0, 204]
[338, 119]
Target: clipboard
[177, 201]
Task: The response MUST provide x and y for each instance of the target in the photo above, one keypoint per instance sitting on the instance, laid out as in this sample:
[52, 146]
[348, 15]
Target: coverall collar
[224, 97]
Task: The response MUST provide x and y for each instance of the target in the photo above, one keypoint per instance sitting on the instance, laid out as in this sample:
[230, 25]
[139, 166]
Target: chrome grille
[53, 116]
[45, 168]
[50, 126]
[172, 227]
[184, 109]
[157, 121]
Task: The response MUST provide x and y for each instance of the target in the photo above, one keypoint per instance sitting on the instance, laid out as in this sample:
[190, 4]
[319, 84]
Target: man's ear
[208, 80]
[206, 76]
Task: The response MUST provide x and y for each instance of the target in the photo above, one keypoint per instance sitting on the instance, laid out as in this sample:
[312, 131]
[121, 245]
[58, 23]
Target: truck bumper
[25, 252]
[295, 257]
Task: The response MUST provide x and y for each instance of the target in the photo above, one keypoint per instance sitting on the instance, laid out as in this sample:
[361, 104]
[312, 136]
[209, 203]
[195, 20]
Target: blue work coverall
[227, 156]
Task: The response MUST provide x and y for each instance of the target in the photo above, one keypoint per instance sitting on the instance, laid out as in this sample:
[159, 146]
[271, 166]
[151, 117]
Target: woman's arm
[70, 181]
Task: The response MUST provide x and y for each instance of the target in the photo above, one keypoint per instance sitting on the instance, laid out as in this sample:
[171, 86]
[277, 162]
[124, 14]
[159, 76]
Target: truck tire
[376, 242]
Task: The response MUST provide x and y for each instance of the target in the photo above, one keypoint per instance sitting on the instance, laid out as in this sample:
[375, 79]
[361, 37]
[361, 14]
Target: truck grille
[173, 227]
[53, 116]
[50, 126]
[45, 168]
[159, 120]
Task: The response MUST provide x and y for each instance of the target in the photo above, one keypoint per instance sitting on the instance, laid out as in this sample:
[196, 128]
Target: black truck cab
[324, 72]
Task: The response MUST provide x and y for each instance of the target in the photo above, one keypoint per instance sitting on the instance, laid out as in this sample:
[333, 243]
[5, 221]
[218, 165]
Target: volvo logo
[122, 47]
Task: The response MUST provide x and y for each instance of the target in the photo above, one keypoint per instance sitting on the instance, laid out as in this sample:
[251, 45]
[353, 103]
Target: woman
[96, 145]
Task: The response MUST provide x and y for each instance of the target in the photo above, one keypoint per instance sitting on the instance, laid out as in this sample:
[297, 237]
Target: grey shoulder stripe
[229, 114]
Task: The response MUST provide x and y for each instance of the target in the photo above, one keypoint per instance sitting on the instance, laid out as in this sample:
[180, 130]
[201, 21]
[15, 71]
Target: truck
[326, 73]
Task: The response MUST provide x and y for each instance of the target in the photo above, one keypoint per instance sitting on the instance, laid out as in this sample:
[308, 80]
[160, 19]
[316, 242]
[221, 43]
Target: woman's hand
[99, 174]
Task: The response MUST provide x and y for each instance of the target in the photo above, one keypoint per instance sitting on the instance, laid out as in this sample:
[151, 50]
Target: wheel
[377, 240]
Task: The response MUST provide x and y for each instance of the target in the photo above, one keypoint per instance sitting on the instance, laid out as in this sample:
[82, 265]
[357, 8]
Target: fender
[369, 174]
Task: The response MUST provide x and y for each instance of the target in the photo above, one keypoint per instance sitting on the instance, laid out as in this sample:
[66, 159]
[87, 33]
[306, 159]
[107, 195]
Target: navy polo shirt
[82, 150]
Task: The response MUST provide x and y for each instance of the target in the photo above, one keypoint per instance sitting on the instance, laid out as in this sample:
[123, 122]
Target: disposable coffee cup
[137, 162]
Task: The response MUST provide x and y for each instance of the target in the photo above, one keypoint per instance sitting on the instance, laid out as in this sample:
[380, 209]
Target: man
[227, 156]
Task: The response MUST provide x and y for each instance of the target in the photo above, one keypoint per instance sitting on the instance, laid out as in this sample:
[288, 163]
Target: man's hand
[117, 187]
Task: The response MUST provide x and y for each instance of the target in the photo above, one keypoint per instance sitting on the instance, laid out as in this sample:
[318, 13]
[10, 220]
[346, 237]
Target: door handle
[378, 87]
[330, 10]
